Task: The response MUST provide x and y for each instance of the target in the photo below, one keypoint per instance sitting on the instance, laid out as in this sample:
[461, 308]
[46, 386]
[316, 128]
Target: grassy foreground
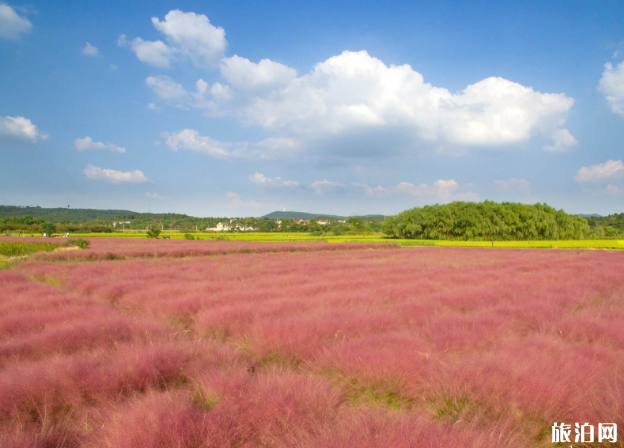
[368, 238]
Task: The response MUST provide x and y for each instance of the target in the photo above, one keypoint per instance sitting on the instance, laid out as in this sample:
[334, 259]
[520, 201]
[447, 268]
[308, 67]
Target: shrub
[188, 236]
[47, 228]
[80, 242]
[154, 233]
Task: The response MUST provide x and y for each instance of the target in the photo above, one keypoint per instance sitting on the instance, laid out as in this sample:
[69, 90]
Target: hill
[65, 215]
[304, 215]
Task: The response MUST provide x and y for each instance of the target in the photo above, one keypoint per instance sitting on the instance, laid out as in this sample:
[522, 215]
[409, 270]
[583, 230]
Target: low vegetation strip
[19, 248]
[118, 249]
[26, 246]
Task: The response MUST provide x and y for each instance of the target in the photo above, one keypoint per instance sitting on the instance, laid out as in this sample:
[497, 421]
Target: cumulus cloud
[16, 129]
[354, 90]
[611, 85]
[354, 100]
[263, 181]
[194, 36]
[115, 177]
[241, 73]
[155, 53]
[87, 144]
[187, 35]
[167, 89]
[562, 141]
[600, 172]
[12, 25]
[191, 140]
[513, 185]
[89, 50]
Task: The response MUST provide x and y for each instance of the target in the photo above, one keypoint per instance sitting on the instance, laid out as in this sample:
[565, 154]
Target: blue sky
[216, 108]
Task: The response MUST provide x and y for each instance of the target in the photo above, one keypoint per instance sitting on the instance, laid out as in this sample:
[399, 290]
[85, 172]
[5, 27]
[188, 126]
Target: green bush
[188, 236]
[80, 242]
[154, 233]
[48, 228]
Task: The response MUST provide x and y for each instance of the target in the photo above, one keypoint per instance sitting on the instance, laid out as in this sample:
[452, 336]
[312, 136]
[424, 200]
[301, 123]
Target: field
[164, 343]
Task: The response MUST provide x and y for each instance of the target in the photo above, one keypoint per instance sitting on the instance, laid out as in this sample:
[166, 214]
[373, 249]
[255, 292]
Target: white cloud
[115, 177]
[154, 195]
[19, 129]
[611, 85]
[562, 141]
[87, 144]
[324, 186]
[12, 26]
[241, 73]
[152, 106]
[441, 189]
[89, 50]
[354, 90]
[263, 181]
[354, 100]
[113, 67]
[187, 34]
[194, 36]
[600, 172]
[155, 53]
[513, 185]
[166, 88]
[614, 190]
[191, 140]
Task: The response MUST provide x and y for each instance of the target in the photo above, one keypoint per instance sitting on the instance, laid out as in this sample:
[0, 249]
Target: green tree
[153, 233]
[47, 228]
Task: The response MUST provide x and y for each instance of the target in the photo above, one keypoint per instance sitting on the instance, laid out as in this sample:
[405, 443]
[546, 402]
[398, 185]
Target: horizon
[353, 109]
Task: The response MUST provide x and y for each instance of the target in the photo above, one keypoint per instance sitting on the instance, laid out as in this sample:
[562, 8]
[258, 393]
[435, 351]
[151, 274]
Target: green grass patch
[451, 408]
[19, 248]
[386, 395]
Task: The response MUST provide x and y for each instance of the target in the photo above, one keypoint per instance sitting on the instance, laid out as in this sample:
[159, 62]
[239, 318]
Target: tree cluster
[486, 221]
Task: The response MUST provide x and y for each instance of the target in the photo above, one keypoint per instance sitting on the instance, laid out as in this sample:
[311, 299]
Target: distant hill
[591, 215]
[65, 214]
[303, 215]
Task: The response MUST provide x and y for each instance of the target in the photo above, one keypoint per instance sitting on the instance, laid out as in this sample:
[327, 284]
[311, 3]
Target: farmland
[152, 343]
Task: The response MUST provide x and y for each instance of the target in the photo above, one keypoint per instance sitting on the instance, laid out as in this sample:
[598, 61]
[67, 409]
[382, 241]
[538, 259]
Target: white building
[220, 227]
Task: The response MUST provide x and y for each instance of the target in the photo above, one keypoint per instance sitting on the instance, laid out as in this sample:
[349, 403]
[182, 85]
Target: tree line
[486, 221]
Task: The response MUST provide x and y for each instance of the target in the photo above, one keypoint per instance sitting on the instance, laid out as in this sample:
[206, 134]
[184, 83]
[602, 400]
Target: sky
[231, 108]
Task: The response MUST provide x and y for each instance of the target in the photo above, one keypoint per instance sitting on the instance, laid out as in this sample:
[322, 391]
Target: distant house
[341, 221]
[323, 222]
[220, 227]
[245, 228]
[115, 223]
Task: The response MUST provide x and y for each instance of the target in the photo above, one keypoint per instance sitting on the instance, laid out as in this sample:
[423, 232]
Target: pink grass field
[307, 347]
